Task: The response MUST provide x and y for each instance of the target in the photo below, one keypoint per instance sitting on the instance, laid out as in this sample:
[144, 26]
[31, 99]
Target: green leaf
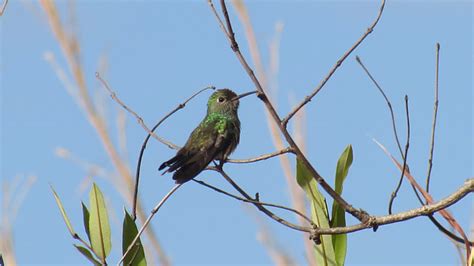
[324, 252]
[85, 217]
[99, 224]
[338, 217]
[343, 165]
[136, 256]
[63, 213]
[84, 251]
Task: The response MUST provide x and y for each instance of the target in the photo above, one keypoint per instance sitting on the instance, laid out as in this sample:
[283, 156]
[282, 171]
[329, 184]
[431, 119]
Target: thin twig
[140, 121]
[435, 114]
[221, 24]
[394, 193]
[389, 104]
[260, 207]
[447, 232]
[254, 201]
[394, 128]
[431, 217]
[262, 157]
[335, 67]
[147, 221]
[359, 214]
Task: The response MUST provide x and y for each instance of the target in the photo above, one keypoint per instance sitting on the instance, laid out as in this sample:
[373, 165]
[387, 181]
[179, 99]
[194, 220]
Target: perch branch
[359, 214]
[262, 157]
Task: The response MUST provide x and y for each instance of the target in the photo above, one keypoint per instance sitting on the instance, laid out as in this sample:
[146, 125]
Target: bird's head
[224, 101]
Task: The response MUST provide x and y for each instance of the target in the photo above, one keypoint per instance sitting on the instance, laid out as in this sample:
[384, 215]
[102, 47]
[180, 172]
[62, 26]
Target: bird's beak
[243, 95]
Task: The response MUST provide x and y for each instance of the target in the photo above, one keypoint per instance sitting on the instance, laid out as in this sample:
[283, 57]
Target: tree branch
[404, 156]
[431, 217]
[466, 188]
[389, 104]
[359, 214]
[394, 127]
[259, 206]
[140, 121]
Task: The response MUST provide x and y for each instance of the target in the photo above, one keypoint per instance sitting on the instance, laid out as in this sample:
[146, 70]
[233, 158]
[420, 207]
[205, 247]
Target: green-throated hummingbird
[215, 138]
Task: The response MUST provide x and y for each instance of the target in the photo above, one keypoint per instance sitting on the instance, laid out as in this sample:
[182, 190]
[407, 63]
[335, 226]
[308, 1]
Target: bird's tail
[187, 166]
[170, 163]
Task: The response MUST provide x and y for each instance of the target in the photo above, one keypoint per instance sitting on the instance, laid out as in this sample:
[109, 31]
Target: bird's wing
[200, 149]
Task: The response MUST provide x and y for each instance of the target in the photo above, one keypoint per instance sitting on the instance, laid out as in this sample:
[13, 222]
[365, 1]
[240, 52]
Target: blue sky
[160, 52]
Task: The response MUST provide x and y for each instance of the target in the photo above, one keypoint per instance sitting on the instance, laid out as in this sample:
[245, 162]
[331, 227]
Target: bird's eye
[221, 99]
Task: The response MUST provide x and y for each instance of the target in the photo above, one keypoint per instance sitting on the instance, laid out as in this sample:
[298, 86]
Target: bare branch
[394, 193]
[262, 157]
[259, 206]
[140, 121]
[389, 104]
[268, 80]
[433, 127]
[395, 133]
[432, 218]
[359, 214]
[465, 189]
[335, 67]
[254, 201]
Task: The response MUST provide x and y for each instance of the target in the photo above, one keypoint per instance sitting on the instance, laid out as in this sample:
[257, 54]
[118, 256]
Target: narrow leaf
[338, 217]
[324, 252]
[136, 256]
[85, 217]
[84, 251]
[63, 213]
[343, 165]
[99, 224]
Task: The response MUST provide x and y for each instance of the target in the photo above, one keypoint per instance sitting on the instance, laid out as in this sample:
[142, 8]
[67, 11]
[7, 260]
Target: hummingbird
[215, 138]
